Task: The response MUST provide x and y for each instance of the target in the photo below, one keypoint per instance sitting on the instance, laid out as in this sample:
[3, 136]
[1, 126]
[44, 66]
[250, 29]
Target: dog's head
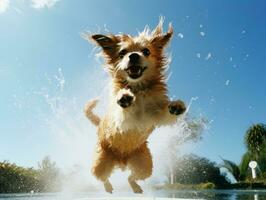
[134, 59]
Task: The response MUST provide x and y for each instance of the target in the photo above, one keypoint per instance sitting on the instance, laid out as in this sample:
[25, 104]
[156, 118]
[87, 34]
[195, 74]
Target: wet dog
[138, 103]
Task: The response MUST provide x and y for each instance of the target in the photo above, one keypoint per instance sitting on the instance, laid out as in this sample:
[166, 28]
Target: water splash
[209, 55]
[169, 143]
[60, 79]
[74, 137]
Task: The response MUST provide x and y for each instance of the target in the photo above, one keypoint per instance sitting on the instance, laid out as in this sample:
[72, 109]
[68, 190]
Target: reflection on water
[219, 194]
[190, 194]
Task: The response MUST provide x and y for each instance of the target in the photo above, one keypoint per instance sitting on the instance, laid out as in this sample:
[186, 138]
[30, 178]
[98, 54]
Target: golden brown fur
[138, 104]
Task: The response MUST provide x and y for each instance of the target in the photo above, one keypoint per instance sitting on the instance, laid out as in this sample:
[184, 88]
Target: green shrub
[208, 185]
[178, 186]
[16, 179]
[192, 169]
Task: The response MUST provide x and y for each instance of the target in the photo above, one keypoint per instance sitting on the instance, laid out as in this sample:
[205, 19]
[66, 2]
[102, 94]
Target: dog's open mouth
[135, 72]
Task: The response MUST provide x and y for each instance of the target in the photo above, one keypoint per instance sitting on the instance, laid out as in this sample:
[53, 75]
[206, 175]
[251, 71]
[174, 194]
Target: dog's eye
[146, 52]
[122, 53]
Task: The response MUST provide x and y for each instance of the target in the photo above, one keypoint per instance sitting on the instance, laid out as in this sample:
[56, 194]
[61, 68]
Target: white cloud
[4, 5]
[38, 4]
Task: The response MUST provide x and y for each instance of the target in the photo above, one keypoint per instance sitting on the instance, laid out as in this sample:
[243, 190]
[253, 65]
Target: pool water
[153, 195]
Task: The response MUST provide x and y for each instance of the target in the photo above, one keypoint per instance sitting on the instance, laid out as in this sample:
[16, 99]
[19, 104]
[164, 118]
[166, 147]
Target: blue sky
[218, 53]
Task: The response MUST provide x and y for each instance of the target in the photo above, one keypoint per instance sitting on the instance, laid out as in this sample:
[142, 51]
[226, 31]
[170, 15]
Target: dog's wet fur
[138, 104]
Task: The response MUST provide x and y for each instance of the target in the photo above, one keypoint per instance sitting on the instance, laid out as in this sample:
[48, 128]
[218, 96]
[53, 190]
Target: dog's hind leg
[140, 164]
[102, 168]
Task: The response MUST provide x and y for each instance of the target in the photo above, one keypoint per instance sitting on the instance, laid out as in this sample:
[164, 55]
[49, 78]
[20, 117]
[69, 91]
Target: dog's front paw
[125, 101]
[177, 107]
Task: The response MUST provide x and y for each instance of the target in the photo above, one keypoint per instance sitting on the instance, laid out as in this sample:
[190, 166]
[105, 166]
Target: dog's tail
[89, 112]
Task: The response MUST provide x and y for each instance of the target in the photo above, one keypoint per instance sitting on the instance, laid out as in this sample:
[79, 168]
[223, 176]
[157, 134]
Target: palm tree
[241, 171]
[243, 166]
[262, 158]
[255, 139]
[233, 168]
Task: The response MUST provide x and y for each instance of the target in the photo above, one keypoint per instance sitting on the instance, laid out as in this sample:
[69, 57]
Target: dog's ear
[107, 43]
[160, 39]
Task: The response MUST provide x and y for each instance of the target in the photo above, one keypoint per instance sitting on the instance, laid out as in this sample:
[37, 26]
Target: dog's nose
[134, 57]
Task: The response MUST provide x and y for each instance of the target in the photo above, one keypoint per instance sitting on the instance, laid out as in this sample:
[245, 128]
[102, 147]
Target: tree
[48, 175]
[14, 179]
[243, 166]
[255, 138]
[240, 172]
[233, 168]
[190, 129]
[262, 159]
[192, 169]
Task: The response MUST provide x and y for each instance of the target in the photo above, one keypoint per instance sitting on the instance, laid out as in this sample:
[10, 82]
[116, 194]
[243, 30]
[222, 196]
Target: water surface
[181, 194]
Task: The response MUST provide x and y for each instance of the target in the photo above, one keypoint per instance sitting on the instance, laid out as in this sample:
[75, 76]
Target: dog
[138, 103]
